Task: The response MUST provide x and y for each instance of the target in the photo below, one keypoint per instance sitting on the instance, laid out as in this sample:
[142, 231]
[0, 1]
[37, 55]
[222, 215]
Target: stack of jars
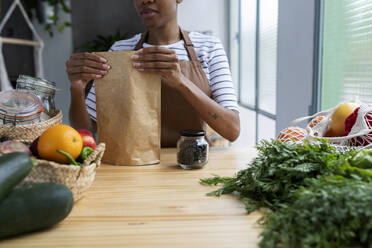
[31, 102]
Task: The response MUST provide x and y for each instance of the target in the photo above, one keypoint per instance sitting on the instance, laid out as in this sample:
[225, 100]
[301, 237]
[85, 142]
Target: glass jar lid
[19, 104]
[192, 133]
[36, 81]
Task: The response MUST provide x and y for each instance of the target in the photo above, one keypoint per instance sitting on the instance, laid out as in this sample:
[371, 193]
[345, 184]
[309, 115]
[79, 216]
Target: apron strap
[139, 44]
[189, 46]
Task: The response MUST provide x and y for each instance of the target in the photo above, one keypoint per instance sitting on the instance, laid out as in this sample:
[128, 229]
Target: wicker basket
[28, 133]
[77, 178]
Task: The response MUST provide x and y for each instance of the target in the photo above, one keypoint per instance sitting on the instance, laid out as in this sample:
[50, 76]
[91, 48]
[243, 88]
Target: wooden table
[156, 206]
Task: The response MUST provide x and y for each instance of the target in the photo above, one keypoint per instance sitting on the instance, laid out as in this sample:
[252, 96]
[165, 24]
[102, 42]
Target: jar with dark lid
[192, 149]
[45, 90]
[19, 107]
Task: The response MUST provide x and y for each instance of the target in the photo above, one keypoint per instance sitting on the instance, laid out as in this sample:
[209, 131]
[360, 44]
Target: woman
[196, 79]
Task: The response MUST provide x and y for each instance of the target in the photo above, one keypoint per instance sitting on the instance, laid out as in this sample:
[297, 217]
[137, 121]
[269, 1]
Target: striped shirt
[212, 58]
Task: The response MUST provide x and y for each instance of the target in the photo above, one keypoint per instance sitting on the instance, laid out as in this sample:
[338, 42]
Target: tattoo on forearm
[214, 115]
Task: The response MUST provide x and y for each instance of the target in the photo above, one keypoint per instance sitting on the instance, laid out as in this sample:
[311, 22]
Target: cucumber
[14, 167]
[34, 207]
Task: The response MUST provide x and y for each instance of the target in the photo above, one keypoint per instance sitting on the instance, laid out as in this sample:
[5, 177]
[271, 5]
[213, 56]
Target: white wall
[295, 60]
[56, 52]
[205, 15]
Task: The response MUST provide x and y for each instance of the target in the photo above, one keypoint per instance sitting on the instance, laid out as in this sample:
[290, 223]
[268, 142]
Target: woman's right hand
[84, 67]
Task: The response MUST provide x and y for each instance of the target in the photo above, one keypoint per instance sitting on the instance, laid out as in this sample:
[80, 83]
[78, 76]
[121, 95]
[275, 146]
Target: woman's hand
[164, 62]
[161, 61]
[83, 67]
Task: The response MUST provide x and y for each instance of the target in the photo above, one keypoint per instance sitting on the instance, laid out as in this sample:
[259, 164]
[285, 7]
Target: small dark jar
[192, 149]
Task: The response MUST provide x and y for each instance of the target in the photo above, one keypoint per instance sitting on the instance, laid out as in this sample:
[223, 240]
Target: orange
[61, 137]
[292, 134]
[315, 121]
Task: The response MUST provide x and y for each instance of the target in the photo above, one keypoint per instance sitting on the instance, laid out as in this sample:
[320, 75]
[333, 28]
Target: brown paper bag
[128, 112]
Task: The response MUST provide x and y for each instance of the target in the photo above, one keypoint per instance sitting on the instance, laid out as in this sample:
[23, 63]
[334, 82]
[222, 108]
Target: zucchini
[34, 207]
[14, 167]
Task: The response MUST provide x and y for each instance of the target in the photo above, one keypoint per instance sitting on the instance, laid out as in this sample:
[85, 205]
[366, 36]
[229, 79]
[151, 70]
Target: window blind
[248, 16]
[267, 50]
[347, 52]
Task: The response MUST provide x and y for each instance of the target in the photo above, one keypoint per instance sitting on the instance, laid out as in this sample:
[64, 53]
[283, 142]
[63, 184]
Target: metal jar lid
[36, 81]
[19, 104]
[192, 133]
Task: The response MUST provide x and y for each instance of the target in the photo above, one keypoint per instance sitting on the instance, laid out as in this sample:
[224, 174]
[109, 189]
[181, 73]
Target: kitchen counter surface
[156, 206]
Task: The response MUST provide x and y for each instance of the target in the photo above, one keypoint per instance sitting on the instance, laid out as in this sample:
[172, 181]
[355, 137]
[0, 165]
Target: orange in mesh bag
[292, 135]
[315, 121]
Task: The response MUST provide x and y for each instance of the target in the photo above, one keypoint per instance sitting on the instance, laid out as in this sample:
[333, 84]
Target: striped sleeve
[221, 83]
[126, 45]
[90, 103]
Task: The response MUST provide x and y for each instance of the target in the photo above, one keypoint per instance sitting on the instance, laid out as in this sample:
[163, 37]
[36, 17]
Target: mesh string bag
[360, 134]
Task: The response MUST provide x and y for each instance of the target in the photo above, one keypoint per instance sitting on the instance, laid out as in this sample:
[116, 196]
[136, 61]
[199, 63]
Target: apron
[176, 113]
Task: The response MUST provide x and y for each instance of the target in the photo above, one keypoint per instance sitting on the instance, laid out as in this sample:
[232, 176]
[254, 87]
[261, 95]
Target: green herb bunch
[356, 165]
[276, 173]
[333, 212]
[316, 195]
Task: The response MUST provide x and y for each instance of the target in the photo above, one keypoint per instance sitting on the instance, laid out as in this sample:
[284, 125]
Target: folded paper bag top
[128, 112]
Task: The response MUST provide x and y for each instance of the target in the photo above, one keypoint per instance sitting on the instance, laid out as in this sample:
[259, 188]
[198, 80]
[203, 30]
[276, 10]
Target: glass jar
[19, 107]
[192, 149]
[45, 90]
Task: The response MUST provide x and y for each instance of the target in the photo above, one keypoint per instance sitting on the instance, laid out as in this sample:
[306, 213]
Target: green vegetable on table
[358, 166]
[14, 167]
[34, 207]
[85, 152]
[332, 212]
[316, 195]
[31, 207]
[72, 160]
[276, 173]
[363, 159]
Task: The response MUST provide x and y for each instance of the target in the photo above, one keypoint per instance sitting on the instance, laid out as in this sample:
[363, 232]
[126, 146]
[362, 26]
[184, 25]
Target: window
[347, 52]
[253, 30]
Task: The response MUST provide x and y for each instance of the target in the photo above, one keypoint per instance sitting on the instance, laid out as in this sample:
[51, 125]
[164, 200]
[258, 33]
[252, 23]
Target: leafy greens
[316, 195]
[333, 212]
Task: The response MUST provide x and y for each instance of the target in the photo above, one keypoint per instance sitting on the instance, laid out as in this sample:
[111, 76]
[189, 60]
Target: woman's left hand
[159, 60]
